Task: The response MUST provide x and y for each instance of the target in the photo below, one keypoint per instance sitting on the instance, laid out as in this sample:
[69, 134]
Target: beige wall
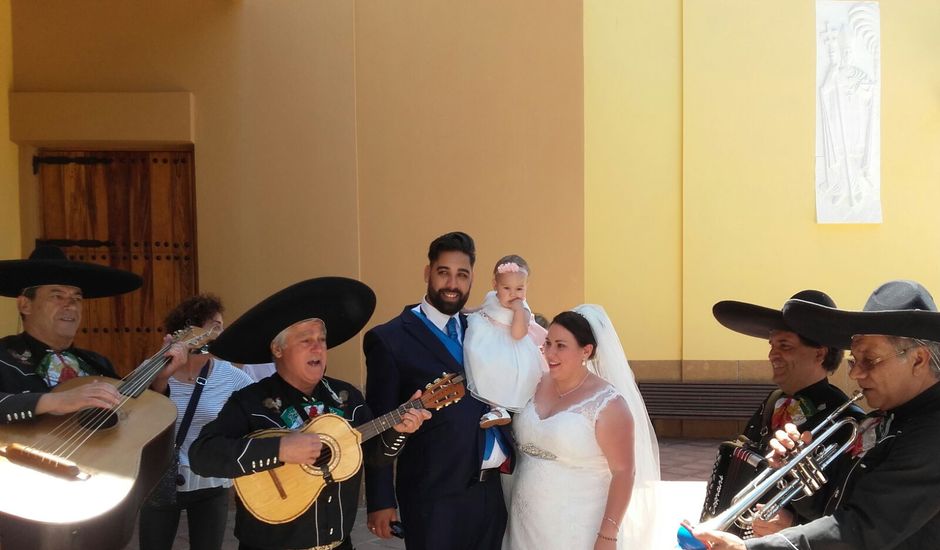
[275, 121]
[471, 119]
[9, 190]
[339, 137]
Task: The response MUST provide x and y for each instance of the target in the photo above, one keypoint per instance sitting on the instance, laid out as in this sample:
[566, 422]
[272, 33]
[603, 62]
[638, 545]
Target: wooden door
[131, 210]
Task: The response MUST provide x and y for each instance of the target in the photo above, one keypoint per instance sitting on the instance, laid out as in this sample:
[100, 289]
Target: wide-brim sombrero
[759, 321]
[48, 265]
[896, 308]
[344, 305]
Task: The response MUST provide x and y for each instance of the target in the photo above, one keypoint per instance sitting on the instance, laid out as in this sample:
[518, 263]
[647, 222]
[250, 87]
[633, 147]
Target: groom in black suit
[448, 485]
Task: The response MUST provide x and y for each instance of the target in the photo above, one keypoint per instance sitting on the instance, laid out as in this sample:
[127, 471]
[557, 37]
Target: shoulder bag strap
[191, 408]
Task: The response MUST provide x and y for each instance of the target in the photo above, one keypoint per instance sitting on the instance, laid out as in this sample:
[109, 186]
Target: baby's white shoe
[497, 416]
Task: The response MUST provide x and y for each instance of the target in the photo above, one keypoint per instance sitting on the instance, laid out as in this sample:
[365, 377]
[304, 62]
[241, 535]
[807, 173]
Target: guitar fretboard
[140, 378]
[378, 425]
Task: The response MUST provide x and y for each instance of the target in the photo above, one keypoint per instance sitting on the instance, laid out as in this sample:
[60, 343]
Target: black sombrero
[760, 321]
[344, 305]
[48, 265]
[896, 308]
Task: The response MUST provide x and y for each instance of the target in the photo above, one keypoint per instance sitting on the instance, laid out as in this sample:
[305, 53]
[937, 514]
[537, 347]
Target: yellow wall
[9, 187]
[748, 193]
[633, 154]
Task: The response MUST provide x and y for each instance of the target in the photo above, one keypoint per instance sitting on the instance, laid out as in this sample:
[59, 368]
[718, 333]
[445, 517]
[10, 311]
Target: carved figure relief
[848, 112]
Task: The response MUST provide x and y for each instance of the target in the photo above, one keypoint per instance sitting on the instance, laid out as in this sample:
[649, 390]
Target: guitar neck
[140, 378]
[378, 425]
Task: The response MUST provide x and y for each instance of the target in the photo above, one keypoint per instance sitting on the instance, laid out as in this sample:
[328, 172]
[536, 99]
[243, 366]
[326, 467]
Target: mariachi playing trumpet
[802, 473]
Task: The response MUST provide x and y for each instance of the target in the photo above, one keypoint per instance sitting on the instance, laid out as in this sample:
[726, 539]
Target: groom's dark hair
[578, 326]
[456, 241]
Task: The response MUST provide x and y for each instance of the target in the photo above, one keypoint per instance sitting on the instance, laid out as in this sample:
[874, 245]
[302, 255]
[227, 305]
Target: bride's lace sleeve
[591, 407]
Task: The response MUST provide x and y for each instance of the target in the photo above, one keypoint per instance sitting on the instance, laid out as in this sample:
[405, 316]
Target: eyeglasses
[867, 364]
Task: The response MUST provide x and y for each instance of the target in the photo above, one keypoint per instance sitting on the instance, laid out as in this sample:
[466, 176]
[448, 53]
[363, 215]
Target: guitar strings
[101, 415]
[138, 380]
[75, 419]
[376, 423]
[441, 386]
[142, 378]
[135, 382]
[73, 427]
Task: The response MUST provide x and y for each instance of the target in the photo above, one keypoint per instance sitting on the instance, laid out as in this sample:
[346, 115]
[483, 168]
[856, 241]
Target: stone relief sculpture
[848, 112]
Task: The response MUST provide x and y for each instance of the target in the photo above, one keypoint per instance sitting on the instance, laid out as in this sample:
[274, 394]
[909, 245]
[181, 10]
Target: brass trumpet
[805, 470]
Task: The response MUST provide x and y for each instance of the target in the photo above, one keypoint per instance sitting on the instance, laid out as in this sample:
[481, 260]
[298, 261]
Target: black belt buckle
[486, 474]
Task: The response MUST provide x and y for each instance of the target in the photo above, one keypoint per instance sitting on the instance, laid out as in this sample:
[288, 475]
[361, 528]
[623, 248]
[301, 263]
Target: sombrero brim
[96, 281]
[749, 319]
[344, 305]
[835, 327]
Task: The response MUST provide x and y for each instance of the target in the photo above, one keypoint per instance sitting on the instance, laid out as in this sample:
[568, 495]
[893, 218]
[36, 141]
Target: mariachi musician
[49, 290]
[890, 497]
[804, 398]
[295, 326]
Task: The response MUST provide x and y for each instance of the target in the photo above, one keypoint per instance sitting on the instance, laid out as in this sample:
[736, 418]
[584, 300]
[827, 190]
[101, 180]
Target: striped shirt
[224, 378]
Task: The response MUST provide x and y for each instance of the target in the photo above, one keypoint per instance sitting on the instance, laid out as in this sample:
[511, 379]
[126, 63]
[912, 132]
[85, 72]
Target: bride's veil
[610, 363]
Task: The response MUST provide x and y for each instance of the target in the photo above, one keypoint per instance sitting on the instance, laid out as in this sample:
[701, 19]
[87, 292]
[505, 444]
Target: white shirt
[439, 319]
[259, 371]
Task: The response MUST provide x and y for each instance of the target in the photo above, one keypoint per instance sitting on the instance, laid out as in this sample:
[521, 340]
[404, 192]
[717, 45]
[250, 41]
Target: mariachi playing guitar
[284, 493]
[77, 481]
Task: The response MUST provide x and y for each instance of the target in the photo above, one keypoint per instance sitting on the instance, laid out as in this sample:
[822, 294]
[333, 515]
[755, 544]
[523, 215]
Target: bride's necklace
[561, 395]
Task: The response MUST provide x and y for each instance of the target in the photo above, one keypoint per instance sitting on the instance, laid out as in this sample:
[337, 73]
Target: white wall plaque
[848, 112]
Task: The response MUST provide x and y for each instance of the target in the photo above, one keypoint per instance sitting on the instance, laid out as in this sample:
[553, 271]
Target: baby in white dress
[502, 353]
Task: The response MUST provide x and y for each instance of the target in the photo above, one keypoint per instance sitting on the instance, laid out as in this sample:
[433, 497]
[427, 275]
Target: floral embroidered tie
[59, 366]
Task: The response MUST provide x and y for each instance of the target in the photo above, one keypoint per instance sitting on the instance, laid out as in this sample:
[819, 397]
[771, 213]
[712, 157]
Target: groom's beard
[447, 307]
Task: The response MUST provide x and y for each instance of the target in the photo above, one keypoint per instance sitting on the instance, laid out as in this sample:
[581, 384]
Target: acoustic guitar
[77, 481]
[282, 494]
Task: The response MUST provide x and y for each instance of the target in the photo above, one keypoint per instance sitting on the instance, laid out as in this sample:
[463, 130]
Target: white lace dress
[562, 478]
[501, 370]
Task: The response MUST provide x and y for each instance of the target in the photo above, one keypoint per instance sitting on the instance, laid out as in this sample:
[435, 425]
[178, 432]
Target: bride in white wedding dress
[588, 456]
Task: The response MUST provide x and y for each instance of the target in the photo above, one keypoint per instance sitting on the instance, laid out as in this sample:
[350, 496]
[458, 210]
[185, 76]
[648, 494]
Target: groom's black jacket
[444, 455]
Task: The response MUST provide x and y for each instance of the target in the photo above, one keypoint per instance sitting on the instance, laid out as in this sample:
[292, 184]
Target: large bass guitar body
[90, 501]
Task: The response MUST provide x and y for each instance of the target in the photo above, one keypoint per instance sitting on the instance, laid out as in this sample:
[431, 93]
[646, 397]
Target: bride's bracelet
[612, 522]
[605, 537]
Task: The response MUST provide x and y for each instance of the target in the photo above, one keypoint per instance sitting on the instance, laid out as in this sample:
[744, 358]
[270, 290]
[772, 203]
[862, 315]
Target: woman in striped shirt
[205, 499]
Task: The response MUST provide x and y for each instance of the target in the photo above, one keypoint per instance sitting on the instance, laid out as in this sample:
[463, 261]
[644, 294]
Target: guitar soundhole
[328, 457]
[97, 419]
[326, 454]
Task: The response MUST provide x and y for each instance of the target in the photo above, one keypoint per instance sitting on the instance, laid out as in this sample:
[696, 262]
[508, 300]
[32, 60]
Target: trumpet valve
[810, 475]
